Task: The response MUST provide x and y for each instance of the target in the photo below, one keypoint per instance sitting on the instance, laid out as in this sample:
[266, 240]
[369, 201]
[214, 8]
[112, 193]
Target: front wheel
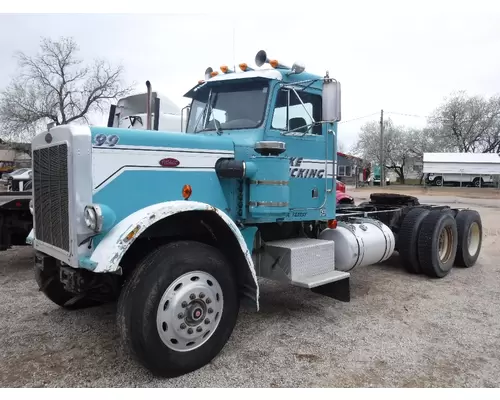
[179, 308]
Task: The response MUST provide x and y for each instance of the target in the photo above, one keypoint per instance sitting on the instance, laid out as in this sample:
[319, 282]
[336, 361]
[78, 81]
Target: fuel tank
[360, 242]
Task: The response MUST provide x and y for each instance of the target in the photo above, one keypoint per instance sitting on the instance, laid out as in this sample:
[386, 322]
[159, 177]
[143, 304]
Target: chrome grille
[50, 192]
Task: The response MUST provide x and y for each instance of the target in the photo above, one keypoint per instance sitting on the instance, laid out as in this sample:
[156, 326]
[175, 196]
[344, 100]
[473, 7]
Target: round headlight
[93, 217]
[90, 218]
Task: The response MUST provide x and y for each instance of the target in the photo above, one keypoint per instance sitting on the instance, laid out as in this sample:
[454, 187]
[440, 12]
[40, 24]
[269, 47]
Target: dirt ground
[398, 330]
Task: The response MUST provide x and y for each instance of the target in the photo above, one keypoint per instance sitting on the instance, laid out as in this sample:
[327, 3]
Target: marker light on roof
[243, 66]
[214, 73]
[274, 63]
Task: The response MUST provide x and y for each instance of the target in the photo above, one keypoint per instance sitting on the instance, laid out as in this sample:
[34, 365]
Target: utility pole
[382, 161]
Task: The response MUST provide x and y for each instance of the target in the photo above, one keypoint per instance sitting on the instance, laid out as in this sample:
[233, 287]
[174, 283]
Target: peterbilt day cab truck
[177, 227]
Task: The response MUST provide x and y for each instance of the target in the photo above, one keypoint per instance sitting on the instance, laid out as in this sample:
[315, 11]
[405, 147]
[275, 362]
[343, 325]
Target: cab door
[295, 119]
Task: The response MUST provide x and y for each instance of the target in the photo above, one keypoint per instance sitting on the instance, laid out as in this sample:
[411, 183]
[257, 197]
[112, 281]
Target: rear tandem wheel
[437, 243]
[408, 239]
[470, 236]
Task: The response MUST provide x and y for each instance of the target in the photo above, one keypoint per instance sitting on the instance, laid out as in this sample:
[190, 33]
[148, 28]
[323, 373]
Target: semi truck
[178, 228]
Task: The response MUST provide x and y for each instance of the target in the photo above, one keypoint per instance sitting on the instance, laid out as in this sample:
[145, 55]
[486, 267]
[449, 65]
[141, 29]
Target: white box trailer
[477, 169]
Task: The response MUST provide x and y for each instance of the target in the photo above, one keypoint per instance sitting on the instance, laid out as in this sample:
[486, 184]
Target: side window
[300, 116]
[344, 170]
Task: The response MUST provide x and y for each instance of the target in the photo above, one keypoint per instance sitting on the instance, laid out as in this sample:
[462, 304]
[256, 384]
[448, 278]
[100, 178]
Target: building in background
[351, 169]
[14, 156]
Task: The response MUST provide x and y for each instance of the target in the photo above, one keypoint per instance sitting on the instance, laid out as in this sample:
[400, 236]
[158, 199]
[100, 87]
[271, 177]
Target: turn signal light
[132, 233]
[187, 191]
[332, 223]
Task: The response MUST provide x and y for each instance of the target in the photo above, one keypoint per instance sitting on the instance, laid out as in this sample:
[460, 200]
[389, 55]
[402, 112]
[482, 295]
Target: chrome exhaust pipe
[148, 106]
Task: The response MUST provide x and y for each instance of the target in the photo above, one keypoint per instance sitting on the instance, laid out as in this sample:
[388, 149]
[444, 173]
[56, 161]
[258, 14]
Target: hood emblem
[169, 162]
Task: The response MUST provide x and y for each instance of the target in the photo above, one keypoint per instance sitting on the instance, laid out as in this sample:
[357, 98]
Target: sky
[401, 57]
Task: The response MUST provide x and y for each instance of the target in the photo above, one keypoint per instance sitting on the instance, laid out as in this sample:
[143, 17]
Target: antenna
[234, 47]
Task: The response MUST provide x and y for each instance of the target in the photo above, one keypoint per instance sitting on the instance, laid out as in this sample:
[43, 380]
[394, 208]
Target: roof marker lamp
[225, 69]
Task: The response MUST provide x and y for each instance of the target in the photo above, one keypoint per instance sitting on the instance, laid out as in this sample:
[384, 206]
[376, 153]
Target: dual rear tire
[433, 241]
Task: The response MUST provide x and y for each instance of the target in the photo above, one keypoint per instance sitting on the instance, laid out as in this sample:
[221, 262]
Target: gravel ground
[398, 330]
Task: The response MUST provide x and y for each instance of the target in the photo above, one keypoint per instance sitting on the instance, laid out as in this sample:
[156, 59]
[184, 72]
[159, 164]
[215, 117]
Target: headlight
[31, 207]
[93, 217]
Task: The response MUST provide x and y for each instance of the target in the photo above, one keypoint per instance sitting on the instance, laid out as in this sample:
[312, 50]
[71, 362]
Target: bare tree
[467, 123]
[402, 146]
[341, 146]
[56, 86]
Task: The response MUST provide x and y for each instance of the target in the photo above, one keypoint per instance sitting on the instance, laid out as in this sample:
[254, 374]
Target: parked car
[343, 199]
[457, 179]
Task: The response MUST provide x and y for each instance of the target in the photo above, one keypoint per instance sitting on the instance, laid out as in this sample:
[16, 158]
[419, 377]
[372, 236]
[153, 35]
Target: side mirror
[331, 100]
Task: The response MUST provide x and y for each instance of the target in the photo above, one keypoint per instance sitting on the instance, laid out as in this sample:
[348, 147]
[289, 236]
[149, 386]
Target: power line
[355, 119]
[407, 115]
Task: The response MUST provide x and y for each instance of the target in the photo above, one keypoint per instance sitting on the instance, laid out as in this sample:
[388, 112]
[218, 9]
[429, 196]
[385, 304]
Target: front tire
[179, 308]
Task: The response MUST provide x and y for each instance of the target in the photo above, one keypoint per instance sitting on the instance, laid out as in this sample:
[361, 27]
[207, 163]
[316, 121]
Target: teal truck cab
[178, 226]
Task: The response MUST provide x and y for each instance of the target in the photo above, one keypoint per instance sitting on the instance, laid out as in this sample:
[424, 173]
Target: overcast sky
[388, 55]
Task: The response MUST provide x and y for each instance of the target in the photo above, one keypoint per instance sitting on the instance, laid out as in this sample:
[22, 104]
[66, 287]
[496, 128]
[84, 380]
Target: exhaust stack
[148, 106]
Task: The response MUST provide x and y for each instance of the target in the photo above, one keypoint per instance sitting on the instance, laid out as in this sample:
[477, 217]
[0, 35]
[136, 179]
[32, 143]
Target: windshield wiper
[207, 116]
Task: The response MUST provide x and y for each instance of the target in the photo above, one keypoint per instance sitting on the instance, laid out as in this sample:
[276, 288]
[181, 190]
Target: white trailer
[464, 169]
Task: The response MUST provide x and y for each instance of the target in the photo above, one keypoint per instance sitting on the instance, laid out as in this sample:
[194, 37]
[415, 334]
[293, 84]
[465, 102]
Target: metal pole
[382, 161]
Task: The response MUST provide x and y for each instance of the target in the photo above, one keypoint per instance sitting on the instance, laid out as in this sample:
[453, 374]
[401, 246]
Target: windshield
[234, 105]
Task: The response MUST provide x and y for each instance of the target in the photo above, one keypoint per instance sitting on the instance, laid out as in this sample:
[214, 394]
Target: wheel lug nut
[202, 295]
[190, 331]
[210, 311]
[207, 321]
[183, 326]
[184, 304]
[192, 296]
[180, 316]
[199, 329]
[208, 300]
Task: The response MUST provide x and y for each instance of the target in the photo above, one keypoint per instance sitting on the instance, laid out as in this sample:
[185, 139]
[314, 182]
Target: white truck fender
[109, 252]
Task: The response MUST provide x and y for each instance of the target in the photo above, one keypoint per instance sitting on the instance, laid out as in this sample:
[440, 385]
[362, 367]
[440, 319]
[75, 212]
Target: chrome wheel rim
[473, 238]
[189, 311]
[445, 244]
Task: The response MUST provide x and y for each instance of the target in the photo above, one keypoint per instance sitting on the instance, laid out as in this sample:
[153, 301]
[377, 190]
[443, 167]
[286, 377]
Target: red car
[343, 198]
